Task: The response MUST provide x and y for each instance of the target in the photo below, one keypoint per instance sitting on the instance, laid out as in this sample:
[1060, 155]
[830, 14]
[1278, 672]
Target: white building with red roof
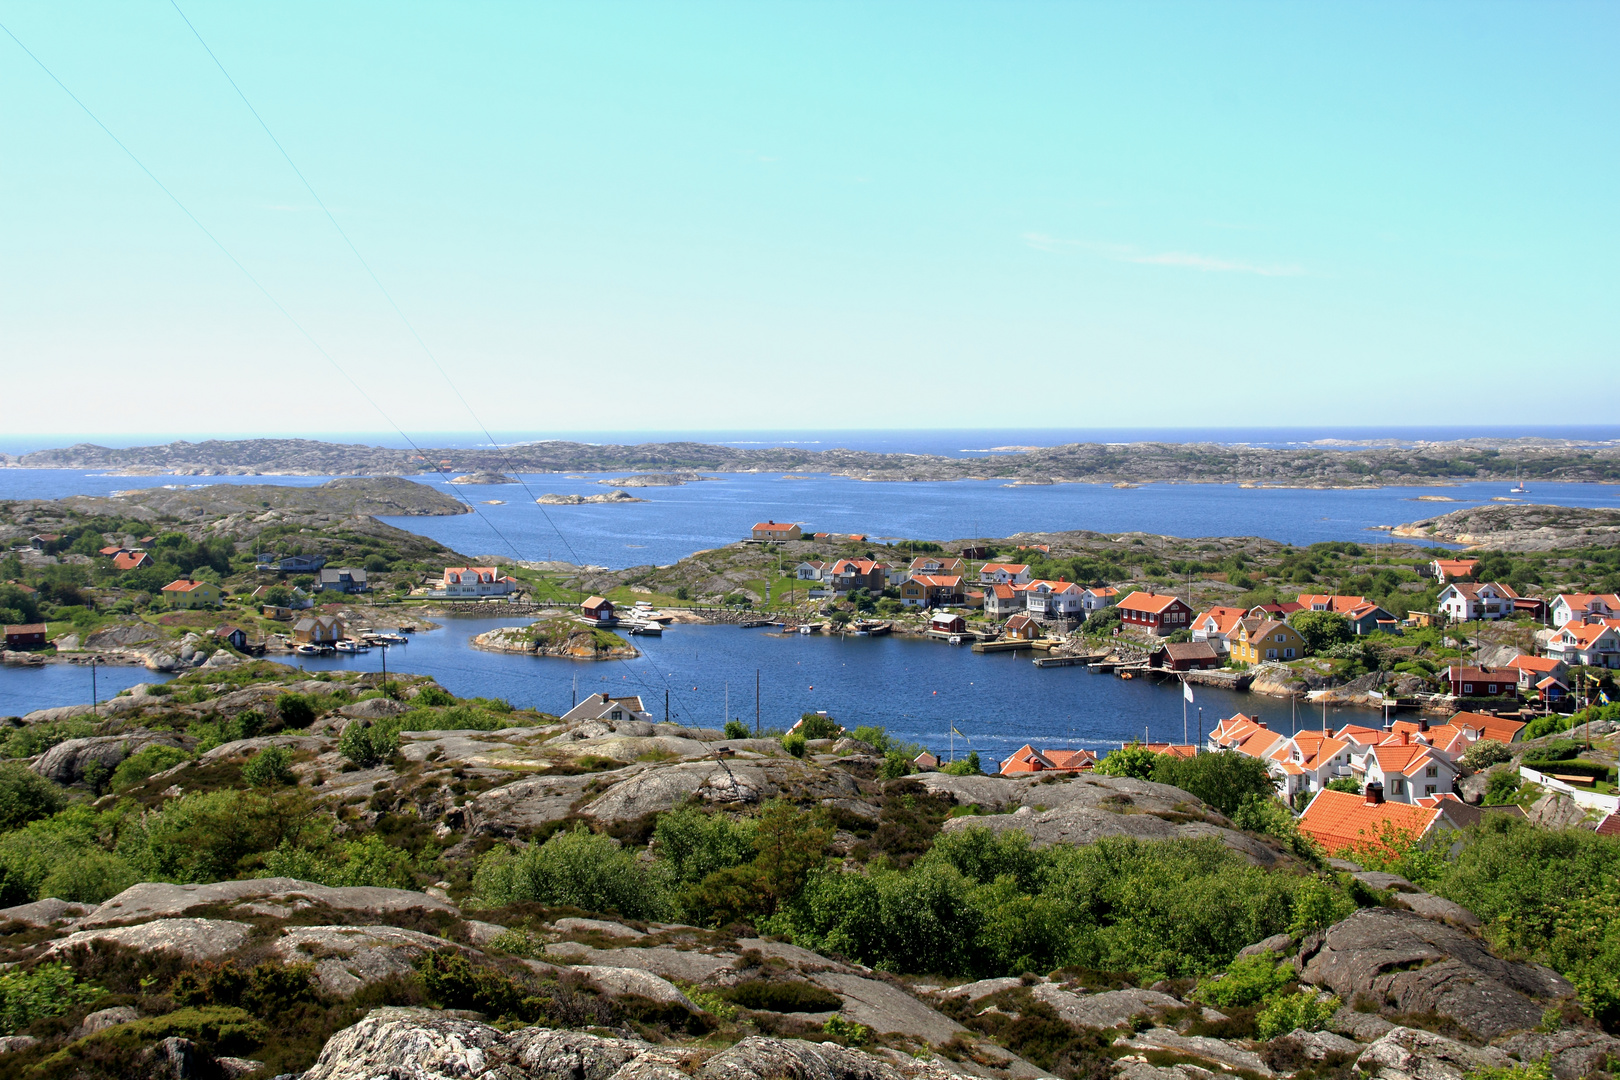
[1590, 644]
[1342, 823]
[999, 573]
[1448, 570]
[776, 530]
[1098, 597]
[1406, 769]
[1308, 761]
[1244, 734]
[1001, 601]
[1533, 669]
[1027, 759]
[1464, 601]
[474, 582]
[1054, 599]
[1578, 607]
[1215, 624]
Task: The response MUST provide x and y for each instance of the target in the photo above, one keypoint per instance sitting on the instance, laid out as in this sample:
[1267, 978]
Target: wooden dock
[1002, 646]
[1062, 661]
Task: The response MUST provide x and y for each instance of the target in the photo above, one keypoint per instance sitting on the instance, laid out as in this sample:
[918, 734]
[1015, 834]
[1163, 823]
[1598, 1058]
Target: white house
[811, 571]
[1465, 602]
[1408, 769]
[996, 573]
[1307, 762]
[1097, 597]
[1001, 601]
[609, 708]
[1054, 600]
[1594, 644]
[1579, 607]
[1215, 624]
[474, 581]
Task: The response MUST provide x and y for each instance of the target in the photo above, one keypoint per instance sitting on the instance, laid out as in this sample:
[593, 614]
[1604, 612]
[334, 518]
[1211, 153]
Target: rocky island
[1520, 527]
[1327, 463]
[483, 479]
[657, 480]
[564, 637]
[550, 499]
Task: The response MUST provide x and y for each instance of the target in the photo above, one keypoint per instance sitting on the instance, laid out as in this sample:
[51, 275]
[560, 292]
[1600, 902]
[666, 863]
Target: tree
[1223, 780]
[1321, 629]
[1134, 760]
[278, 596]
[819, 726]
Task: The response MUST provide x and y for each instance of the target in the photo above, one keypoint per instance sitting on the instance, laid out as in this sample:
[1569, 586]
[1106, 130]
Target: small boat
[1518, 487]
[956, 639]
[352, 647]
[806, 628]
[650, 628]
[306, 649]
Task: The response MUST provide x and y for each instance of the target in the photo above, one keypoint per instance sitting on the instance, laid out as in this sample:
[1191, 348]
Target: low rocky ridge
[1520, 527]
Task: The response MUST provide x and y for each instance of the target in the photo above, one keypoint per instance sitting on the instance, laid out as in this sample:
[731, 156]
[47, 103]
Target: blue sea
[917, 689]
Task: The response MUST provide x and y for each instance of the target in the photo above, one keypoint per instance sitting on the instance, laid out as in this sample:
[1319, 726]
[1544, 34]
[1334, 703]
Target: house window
[1468, 688]
[1398, 786]
[1271, 654]
[618, 715]
[1431, 771]
[1428, 789]
[1288, 653]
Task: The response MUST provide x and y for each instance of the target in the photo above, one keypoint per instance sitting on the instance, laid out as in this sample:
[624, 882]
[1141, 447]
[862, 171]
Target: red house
[1189, 656]
[1158, 615]
[1482, 682]
[26, 636]
[598, 609]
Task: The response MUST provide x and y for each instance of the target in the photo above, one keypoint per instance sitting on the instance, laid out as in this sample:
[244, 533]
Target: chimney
[1375, 793]
[606, 699]
[1406, 738]
[1423, 724]
[1261, 724]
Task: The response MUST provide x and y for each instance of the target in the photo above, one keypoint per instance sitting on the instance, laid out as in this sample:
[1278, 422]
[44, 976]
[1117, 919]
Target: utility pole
[727, 717]
[383, 652]
[95, 698]
[666, 704]
[756, 703]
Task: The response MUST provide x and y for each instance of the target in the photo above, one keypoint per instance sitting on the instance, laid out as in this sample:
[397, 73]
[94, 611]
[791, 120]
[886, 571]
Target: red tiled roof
[773, 526]
[1534, 663]
[1609, 826]
[1584, 635]
[1149, 602]
[129, 560]
[26, 628]
[938, 581]
[1402, 758]
[1173, 749]
[1498, 728]
[1338, 820]
[1226, 619]
[1007, 567]
[182, 586]
[1456, 567]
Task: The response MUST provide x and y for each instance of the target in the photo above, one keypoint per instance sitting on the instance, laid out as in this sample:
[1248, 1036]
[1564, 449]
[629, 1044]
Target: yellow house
[1258, 640]
[192, 594]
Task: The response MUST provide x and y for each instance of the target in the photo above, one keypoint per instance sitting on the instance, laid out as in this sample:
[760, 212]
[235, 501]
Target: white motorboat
[651, 629]
[306, 649]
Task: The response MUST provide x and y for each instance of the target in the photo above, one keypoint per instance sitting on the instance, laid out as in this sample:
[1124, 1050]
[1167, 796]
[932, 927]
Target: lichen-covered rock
[624, 980]
[1079, 825]
[194, 939]
[1417, 965]
[106, 1018]
[1199, 1046]
[1321, 1045]
[1572, 1052]
[347, 958]
[1109, 1009]
[1276, 944]
[884, 1007]
[373, 709]
[67, 762]
[973, 991]
[45, 912]
[277, 896]
[1409, 1054]
[1363, 1027]
[420, 1045]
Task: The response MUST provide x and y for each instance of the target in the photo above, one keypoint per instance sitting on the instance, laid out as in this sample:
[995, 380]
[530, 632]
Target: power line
[375, 280]
[257, 284]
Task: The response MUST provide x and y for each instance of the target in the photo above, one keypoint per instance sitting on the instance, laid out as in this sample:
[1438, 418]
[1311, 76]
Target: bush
[736, 729]
[1485, 753]
[1301, 1011]
[145, 763]
[47, 990]
[25, 796]
[270, 767]
[875, 737]
[1321, 629]
[454, 982]
[575, 869]
[1134, 760]
[434, 696]
[695, 844]
[794, 744]
[895, 765]
[783, 996]
[1502, 788]
[968, 766]
[215, 835]
[61, 856]
[295, 710]
[1248, 980]
[367, 745]
[816, 726]
[1222, 780]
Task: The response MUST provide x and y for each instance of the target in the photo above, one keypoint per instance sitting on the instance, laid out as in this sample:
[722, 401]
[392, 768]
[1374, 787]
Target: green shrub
[368, 745]
[1301, 1011]
[1502, 788]
[816, 726]
[371, 860]
[1223, 781]
[218, 732]
[793, 743]
[736, 729]
[35, 739]
[295, 710]
[61, 856]
[144, 763]
[576, 869]
[838, 1028]
[694, 844]
[1135, 761]
[875, 737]
[215, 835]
[784, 997]
[1318, 904]
[434, 696]
[1248, 980]
[1485, 753]
[454, 982]
[43, 991]
[270, 767]
[895, 765]
[968, 766]
[25, 796]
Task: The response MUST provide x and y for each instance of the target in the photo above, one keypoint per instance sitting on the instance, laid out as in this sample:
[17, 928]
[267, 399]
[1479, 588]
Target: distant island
[1529, 459]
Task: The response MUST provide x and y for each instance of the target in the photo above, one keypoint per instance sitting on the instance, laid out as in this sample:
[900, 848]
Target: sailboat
[1518, 487]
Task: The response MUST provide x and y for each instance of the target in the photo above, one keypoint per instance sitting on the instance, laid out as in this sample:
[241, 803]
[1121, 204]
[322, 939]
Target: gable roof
[1103, 590]
[1525, 662]
[130, 560]
[1220, 620]
[26, 628]
[1331, 601]
[1338, 820]
[1190, 650]
[1497, 728]
[1583, 601]
[1021, 620]
[1003, 592]
[1244, 734]
[773, 526]
[182, 585]
[1455, 567]
[1152, 603]
[1005, 567]
[1314, 748]
[1583, 634]
[938, 581]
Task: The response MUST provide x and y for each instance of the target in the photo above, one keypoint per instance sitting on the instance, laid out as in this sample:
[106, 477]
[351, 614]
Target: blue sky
[701, 216]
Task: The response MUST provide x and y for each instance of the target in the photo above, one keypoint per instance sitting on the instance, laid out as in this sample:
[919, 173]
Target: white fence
[1592, 800]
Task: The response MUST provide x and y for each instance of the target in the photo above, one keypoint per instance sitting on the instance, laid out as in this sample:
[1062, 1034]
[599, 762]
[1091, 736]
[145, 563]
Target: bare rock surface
[526, 804]
[884, 1007]
[1320, 1045]
[596, 926]
[45, 912]
[270, 896]
[194, 939]
[1276, 944]
[373, 709]
[1109, 1009]
[1222, 1053]
[67, 761]
[106, 1018]
[973, 991]
[8, 1043]
[624, 980]
[1572, 1052]
[1424, 966]
[1410, 1054]
[348, 958]
[1363, 1027]
[1079, 825]
[1556, 810]
[684, 964]
[1437, 908]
